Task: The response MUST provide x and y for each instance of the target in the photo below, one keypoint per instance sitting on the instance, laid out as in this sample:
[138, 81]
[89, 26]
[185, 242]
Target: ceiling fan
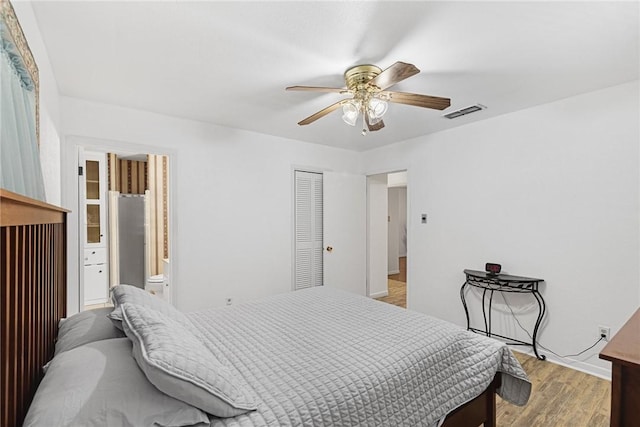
[368, 84]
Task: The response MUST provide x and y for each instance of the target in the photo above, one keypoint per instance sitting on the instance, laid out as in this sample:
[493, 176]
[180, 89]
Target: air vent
[464, 111]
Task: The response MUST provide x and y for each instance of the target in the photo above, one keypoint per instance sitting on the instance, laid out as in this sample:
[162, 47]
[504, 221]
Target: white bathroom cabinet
[96, 264]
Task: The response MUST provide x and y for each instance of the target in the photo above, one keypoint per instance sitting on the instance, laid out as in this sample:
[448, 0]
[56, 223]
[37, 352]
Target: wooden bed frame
[33, 296]
[33, 300]
[481, 410]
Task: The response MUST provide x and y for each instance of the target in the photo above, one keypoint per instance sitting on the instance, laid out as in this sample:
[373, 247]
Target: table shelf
[490, 283]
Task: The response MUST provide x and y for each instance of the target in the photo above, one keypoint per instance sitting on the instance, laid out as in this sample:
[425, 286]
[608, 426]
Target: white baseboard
[393, 272]
[379, 294]
[587, 368]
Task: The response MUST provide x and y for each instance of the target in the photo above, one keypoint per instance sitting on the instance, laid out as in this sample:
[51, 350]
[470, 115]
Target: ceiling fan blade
[312, 118]
[373, 128]
[394, 74]
[318, 89]
[418, 100]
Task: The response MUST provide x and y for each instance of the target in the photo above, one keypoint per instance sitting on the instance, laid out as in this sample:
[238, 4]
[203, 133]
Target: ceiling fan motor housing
[358, 77]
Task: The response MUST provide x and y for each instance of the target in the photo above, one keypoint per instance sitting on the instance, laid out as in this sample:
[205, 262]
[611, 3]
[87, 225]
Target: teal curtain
[20, 169]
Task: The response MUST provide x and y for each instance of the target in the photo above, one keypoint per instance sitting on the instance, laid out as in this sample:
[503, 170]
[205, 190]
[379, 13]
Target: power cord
[538, 342]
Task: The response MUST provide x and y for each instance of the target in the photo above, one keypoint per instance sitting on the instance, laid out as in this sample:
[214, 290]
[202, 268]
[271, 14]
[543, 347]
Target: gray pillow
[122, 294]
[180, 365]
[85, 327]
[99, 384]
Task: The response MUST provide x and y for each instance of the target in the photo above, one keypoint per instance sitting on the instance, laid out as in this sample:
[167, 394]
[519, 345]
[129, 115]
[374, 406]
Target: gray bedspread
[324, 357]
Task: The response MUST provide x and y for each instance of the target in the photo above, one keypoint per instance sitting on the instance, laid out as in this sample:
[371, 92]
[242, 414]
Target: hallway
[397, 285]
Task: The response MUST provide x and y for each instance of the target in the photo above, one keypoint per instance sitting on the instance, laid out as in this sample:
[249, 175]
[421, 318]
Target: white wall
[402, 221]
[397, 179]
[49, 103]
[549, 192]
[393, 231]
[377, 211]
[397, 226]
[232, 197]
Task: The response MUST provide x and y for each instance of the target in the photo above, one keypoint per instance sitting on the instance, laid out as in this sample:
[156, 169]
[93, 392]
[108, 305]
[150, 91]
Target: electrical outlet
[229, 301]
[604, 332]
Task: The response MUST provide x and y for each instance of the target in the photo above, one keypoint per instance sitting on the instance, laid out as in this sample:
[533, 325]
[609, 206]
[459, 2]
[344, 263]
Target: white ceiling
[229, 62]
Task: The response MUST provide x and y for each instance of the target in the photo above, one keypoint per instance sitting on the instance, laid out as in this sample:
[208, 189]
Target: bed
[312, 357]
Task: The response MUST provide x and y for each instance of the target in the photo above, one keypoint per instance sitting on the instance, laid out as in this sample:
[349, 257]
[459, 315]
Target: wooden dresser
[623, 351]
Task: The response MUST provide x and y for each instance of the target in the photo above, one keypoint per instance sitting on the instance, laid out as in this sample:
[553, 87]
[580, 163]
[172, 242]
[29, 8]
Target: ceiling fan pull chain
[364, 130]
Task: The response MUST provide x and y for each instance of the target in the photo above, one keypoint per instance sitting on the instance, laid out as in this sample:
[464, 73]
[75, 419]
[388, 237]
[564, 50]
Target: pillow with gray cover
[122, 294]
[99, 384]
[180, 365]
[86, 327]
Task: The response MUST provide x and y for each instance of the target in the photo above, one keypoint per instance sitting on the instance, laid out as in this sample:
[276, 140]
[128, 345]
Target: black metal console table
[491, 283]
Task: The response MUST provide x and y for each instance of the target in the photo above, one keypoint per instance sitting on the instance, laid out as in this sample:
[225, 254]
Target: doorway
[126, 204]
[387, 237]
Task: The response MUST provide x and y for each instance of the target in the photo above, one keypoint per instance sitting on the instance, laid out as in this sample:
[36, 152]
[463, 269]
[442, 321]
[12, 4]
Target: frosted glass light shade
[350, 112]
[376, 109]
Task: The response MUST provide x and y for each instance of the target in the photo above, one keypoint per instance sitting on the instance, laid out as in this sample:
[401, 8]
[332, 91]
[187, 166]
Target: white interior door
[344, 226]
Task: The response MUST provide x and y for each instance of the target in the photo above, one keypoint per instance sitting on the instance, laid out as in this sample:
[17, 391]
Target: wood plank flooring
[397, 285]
[560, 396]
[397, 293]
[402, 275]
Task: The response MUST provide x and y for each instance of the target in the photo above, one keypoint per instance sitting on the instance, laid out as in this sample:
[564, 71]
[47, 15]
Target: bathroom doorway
[124, 223]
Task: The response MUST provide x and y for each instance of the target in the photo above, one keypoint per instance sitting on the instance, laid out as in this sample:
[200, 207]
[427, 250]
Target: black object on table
[491, 283]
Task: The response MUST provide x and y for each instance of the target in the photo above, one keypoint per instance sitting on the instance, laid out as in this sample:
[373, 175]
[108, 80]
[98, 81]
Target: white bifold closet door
[308, 230]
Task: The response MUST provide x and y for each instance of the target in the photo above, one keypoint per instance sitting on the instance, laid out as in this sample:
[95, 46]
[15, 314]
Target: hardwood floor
[397, 293]
[560, 397]
[402, 275]
[397, 286]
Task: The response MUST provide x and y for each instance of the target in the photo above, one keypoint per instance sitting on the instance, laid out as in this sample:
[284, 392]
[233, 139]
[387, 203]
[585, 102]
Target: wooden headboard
[32, 298]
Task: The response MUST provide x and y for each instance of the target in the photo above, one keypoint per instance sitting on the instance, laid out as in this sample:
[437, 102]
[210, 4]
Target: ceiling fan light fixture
[350, 112]
[376, 109]
[368, 85]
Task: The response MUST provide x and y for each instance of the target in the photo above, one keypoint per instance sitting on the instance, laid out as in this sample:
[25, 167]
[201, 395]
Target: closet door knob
[329, 248]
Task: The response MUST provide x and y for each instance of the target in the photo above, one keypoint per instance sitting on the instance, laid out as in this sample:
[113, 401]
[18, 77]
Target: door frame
[409, 223]
[70, 146]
